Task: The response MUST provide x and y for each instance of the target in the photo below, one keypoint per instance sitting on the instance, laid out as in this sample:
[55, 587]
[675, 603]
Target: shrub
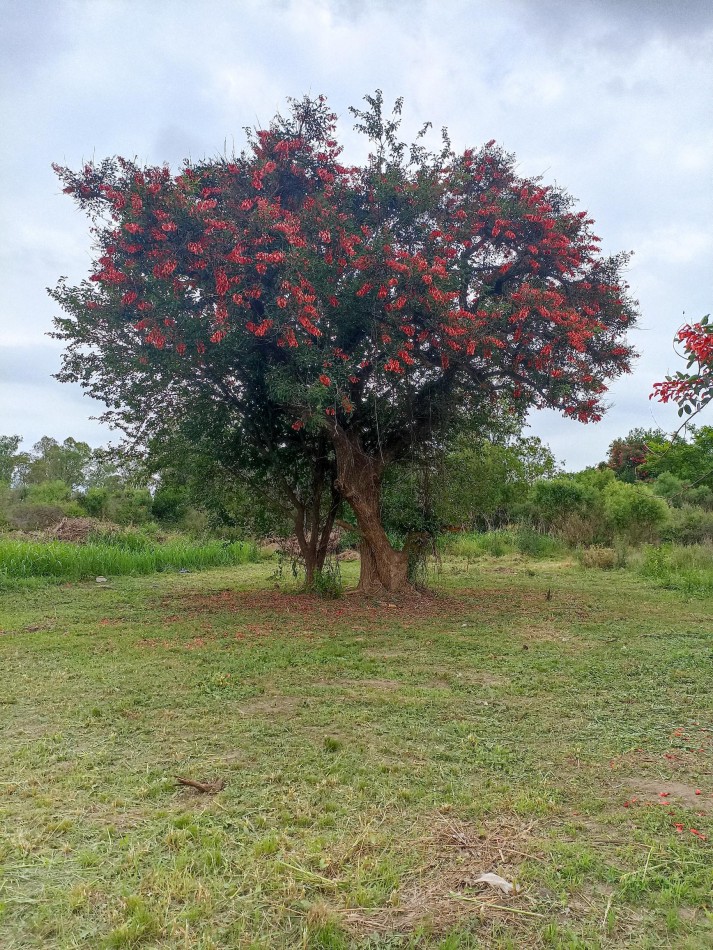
[30, 517]
[689, 525]
[634, 511]
[95, 502]
[130, 506]
[327, 583]
[604, 559]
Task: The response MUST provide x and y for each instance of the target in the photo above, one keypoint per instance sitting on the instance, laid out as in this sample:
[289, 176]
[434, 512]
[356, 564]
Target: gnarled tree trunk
[313, 530]
[359, 483]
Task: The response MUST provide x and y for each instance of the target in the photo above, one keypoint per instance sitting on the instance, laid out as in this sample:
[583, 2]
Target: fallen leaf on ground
[494, 880]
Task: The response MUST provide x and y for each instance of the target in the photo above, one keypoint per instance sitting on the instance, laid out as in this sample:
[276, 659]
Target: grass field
[550, 724]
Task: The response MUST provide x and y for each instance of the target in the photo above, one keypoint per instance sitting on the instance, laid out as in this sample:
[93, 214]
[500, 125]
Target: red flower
[325, 380]
[297, 425]
[221, 283]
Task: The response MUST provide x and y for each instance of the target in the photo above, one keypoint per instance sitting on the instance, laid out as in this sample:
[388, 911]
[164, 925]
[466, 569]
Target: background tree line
[649, 488]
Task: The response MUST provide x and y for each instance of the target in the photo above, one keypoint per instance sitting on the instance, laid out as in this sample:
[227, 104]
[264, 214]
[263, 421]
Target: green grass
[501, 542]
[62, 559]
[376, 758]
[686, 568]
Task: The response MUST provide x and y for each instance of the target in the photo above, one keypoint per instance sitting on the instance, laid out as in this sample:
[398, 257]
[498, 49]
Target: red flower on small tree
[691, 390]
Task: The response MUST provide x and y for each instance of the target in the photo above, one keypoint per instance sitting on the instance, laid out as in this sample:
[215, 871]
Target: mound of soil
[76, 530]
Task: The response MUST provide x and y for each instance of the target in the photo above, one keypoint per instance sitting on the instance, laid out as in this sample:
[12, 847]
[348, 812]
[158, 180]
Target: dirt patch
[271, 705]
[481, 679]
[76, 530]
[352, 685]
[533, 632]
[383, 654]
[666, 792]
[354, 608]
[444, 890]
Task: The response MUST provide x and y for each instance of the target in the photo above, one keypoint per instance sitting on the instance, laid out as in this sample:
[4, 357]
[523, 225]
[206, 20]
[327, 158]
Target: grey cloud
[616, 25]
[32, 31]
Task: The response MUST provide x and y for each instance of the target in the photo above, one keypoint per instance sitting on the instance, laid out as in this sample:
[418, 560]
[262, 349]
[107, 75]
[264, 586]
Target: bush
[95, 502]
[47, 493]
[634, 511]
[130, 506]
[28, 517]
[555, 498]
[604, 559]
[689, 525]
[327, 583]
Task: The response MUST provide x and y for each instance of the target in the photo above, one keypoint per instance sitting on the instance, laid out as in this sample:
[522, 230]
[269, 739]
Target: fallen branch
[208, 788]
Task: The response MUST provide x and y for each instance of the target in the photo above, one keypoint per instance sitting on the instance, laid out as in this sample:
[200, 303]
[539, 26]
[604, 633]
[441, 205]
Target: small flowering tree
[691, 390]
[361, 308]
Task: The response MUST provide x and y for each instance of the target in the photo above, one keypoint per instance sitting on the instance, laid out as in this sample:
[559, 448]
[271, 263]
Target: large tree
[369, 306]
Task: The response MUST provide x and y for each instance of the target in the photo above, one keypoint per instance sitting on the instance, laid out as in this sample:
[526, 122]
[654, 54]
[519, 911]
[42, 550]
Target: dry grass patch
[444, 892]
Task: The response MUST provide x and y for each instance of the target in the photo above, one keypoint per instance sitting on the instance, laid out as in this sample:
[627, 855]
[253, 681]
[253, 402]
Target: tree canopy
[338, 313]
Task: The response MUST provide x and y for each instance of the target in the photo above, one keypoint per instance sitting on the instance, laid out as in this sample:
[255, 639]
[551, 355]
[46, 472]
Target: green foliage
[54, 492]
[129, 506]
[95, 502]
[484, 481]
[689, 525]
[634, 511]
[689, 458]
[170, 503]
[555, 499]
[327, 583]
[66, 462]
[10, 459]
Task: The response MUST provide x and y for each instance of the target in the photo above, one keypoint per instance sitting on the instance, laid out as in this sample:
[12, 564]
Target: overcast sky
[609, 98]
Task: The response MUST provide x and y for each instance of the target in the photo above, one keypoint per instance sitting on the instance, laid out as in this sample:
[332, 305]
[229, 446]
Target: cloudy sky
[609, 98]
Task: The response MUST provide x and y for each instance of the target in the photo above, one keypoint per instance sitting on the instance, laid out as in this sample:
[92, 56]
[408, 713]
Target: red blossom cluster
[691, 390]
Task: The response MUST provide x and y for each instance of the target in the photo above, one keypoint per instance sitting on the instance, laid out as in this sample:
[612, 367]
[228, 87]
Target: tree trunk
[313, 531]
[383, 569]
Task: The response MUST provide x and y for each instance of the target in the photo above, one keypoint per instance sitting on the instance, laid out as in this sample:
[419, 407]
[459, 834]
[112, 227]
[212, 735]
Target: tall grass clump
[62, 559]
[498, 543]
[688, 568]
